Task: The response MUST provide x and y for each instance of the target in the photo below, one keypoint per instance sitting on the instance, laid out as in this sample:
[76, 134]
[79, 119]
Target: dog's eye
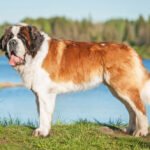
[21, 37]
[9, 36]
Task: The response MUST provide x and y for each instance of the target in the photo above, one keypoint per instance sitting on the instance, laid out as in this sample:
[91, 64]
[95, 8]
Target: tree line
[134, 32]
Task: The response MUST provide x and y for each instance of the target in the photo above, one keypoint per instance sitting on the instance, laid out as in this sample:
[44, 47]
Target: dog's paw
[40, 133]
[128, 130]
[140, 132]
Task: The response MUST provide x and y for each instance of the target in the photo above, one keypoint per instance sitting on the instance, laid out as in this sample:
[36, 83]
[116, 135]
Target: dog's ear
[3, 43]
[36, 39]
[5, 38]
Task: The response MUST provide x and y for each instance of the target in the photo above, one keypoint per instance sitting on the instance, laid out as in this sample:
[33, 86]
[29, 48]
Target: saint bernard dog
[52, 66]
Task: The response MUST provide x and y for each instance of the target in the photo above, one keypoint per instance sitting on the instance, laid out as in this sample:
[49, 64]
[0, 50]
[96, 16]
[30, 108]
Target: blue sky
[100, 10]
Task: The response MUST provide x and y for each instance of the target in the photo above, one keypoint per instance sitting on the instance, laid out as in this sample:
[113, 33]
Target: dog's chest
[35, 78]
[28, 75]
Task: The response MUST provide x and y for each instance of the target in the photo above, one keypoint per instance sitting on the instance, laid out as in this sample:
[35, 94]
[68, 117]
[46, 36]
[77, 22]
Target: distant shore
[10, 84]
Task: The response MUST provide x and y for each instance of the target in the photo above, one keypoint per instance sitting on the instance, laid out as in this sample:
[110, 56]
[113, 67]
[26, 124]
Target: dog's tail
[145, 91]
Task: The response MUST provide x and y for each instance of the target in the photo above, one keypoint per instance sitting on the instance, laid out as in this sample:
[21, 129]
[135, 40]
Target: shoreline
[10, 84]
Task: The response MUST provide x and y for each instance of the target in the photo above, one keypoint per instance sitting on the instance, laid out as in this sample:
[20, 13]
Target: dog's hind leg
[130, 97]
[132, 120]
[125, 77]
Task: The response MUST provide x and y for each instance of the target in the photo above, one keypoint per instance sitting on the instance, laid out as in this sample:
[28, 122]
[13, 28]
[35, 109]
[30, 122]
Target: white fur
[47, 105]
[102, 44]
[138, 69]
[145, 93]
[65, 87]
[15, 30]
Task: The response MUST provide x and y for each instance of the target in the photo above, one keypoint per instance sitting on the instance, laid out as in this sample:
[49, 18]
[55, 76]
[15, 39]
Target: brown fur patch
[80, 62]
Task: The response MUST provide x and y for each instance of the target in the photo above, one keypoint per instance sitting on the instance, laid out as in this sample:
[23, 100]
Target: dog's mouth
[15, 60]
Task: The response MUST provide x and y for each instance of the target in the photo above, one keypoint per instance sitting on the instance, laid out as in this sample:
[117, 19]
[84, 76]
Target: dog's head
[19, 41]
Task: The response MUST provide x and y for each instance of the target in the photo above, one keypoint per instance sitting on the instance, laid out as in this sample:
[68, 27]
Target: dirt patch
[112, 131]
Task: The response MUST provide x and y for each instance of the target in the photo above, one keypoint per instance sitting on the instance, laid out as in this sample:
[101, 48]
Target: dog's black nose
[13, 44]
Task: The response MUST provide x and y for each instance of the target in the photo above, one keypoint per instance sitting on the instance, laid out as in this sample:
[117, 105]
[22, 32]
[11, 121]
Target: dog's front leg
[46, 108]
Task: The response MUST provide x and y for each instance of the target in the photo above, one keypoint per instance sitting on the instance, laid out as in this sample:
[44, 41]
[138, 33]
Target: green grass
[81, 135]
